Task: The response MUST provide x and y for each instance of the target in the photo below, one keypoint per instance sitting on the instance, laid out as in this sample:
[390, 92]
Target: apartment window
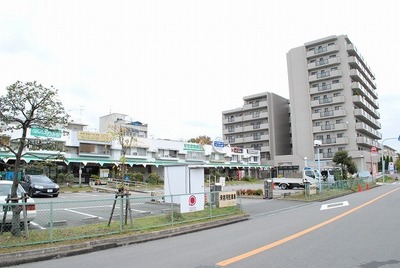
[341, 148]
[255, 103]
[231, 119]
[332, 56]
[340, 135]
[231, 129]
[256, 114]
[337, 108]
[317, 111]
[336, 94]
[331, 44]
[256, 125]
[335, 81]
[314, 85]
[319, 137]
[231, 139]
[311, 61]
[257, 136]
[334, 68]
[313, 73]
[338, 121]
[316, 98]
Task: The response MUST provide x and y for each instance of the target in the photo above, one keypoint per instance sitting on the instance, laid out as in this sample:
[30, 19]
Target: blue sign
[219, 144]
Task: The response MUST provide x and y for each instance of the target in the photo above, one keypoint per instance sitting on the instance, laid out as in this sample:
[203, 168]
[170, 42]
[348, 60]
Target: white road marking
[37, 225]
[334, 205]
[81, 213]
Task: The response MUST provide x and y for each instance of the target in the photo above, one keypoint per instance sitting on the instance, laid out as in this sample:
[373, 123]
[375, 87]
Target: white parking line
[334, 205]
[81, 213]
[37, 225]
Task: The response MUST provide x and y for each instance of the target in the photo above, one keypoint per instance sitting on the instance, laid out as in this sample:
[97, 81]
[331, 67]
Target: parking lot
[76, 209]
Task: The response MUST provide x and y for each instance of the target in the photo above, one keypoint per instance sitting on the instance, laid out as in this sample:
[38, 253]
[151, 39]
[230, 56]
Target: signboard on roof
[218, 144]
[193, 147]
[94, 136]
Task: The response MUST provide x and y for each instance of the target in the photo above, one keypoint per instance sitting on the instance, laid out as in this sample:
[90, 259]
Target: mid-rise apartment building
[263, 118]
[333, 103]
[333, 99]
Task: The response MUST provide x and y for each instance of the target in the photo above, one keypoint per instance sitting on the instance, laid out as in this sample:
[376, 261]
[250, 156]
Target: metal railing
[72, 220]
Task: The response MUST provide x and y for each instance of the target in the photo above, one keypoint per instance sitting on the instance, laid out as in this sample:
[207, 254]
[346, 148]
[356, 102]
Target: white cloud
[168, 63]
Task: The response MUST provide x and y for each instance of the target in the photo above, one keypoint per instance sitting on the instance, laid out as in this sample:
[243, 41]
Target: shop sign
[237, 150]
[94, 136]
[45, 132]
[193, 147]
[227, 199]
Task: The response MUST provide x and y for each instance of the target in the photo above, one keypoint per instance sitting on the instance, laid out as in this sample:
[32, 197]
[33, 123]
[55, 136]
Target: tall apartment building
[262, 123]
[333, 99]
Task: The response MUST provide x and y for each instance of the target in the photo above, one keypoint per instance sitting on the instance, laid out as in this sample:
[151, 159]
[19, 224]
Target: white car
[5, 190]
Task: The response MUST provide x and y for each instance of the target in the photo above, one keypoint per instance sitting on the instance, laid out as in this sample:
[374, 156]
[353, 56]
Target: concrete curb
[28, 256]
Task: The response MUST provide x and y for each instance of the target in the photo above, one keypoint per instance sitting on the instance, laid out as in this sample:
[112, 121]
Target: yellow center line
[296, 235]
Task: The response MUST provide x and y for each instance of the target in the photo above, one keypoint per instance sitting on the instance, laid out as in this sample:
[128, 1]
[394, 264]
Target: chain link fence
[72, 220]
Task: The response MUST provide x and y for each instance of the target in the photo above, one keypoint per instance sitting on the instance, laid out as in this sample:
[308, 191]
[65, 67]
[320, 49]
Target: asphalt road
[358, 230]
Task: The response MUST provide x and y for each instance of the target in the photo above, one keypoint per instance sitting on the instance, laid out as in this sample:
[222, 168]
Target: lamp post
[317, 144]
[383, 161]
[362, 162]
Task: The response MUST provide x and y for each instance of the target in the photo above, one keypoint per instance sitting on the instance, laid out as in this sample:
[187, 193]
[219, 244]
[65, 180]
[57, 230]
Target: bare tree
[24, 106]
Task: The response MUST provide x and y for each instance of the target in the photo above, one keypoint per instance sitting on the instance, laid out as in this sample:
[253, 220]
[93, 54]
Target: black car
[39, 185]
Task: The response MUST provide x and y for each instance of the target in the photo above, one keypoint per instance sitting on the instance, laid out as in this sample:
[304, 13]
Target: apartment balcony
[367, 142]
[253, 117]
[355, 63]
[324, 75]
[255, 128]
[322, 50]
[255, 105]
[362, 103]
[323, 63]
[367, 118]
[326, 88]
[335, 141]
[364, 128]
[227, 121]
[255, 139]
[352, 50]
[360, 90]
[330, 127]
[328, 114]
[358, 77]
[265, 149]
[328, 101]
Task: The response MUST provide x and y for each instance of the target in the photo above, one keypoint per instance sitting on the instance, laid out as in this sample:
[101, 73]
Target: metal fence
[326, 189]
[71, 220]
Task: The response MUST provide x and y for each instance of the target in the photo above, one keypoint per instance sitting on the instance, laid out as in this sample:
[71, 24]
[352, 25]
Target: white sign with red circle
[192, 202]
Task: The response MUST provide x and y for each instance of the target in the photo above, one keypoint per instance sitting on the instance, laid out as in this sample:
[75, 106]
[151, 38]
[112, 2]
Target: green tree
[201, 140]
[24, 106]
[342, 159]
[126, 137]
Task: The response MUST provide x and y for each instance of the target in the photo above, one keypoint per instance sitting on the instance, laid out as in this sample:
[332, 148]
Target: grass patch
[73, 235]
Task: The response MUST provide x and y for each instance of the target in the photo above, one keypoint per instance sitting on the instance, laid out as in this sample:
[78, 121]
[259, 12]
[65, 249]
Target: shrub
[258, 192]
[138, 176]
[153, 178]
[249, 192]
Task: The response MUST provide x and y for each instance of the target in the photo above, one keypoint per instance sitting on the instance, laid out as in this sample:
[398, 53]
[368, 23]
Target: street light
[383, 161]
[318, 143]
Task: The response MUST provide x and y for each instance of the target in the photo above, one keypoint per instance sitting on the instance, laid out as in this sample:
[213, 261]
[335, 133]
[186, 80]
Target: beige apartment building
[333, 103]
[333, 99]
[262, 123]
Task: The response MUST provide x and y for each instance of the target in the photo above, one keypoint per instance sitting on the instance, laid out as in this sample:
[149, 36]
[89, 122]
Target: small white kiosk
[184, 185]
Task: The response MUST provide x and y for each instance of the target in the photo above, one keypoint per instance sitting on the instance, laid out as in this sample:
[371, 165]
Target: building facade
[333, 99]
[262, 123]
[86, 153]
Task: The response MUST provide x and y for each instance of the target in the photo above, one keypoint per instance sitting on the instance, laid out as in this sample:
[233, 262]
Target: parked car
[5, 190]
[40, 185]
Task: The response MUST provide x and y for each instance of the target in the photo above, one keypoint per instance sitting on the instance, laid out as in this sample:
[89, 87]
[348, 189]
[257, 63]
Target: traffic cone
[359, 188]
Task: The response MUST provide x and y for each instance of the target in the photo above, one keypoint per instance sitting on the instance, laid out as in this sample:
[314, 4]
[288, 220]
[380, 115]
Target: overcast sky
[176, 65]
